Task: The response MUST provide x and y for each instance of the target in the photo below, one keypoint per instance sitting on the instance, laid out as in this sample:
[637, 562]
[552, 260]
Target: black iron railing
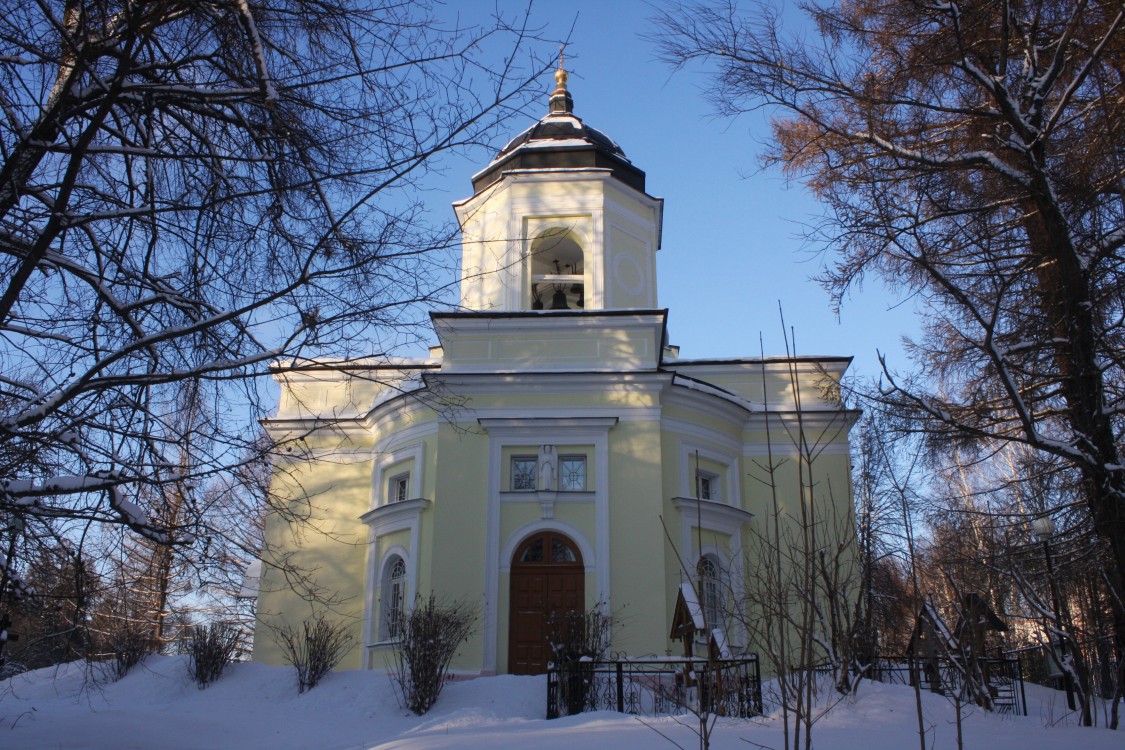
[653, 686]
[1003, 677]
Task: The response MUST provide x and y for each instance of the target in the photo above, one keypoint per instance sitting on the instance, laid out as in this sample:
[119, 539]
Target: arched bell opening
[557, 272]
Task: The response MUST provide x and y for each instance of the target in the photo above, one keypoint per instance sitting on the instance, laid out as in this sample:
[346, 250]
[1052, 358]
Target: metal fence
[1004, 678]
[673, 685]
[1041, 665]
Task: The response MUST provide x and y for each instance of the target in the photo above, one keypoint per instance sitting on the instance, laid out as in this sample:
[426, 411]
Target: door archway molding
[520, 535]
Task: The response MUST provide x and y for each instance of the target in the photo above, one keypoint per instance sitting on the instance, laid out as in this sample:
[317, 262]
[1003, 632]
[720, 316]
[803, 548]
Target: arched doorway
[547, 576]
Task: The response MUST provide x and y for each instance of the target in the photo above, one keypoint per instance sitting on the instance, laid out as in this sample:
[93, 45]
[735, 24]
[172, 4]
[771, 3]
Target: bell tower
[559, 220]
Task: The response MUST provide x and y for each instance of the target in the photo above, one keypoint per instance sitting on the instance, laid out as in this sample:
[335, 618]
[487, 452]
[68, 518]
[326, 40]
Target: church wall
[454, 559]
[330, 392]
[392, 542]
[772, 382]
[630, 258]
[637, 548]
[826, 434]
[548, 387]
[519, 516]
[487, 242]
[325, 546]
[702, 442]
[500, 224]
[521, 344]
[496, 234]
[828, 502]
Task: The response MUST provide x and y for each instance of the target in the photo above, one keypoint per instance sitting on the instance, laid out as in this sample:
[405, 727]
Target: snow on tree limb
[181, 185]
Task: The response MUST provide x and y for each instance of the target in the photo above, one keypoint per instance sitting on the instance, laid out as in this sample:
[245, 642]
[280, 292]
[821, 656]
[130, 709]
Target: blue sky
[732, 247]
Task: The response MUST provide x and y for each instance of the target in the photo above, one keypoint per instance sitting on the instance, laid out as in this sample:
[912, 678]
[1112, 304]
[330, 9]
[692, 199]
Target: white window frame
[534, 473]
[711, 591]
[712, 481]
[382, 521]
[392, 604]
[398, 488]
[691, 452]
[585, 466]
[385, 462]
[514, 429]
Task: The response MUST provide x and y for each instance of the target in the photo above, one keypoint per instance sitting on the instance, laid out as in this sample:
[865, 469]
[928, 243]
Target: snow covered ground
[254, 706]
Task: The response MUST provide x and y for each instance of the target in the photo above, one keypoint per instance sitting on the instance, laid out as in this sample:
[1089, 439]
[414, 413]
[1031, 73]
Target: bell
[558, 300]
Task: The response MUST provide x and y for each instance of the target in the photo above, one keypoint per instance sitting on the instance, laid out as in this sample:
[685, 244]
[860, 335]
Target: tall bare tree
[886, 477]
[191, 189]
[970, 153]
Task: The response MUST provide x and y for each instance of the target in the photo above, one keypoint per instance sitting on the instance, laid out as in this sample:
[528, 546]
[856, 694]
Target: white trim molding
[717, 517]
[730, 488]
[558, 431]
[386, 460]
[517, 537]
[387, 519]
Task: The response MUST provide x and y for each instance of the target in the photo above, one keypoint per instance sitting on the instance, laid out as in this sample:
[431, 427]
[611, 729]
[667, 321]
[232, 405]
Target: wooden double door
[548, 578]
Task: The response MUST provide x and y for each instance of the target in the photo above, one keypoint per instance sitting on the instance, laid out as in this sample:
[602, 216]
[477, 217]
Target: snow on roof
[692, 603]
[251, 580]
[941, 630]
[692, 384]
[721, 644]
[556, 143]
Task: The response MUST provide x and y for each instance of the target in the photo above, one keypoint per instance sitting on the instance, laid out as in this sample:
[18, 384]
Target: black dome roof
[565, 127]
[560, 141]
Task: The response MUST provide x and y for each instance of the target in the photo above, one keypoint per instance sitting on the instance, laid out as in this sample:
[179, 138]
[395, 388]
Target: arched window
[548, 548]
[711, 591]
[394, 598]
[557, 272]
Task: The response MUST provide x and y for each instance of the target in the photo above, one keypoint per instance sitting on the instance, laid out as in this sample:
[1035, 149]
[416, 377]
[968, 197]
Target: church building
[552, 452]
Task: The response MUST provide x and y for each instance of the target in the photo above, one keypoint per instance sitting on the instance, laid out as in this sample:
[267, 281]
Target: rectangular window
[572, 473]
[707, 486]
[524, 470]
[398, 490]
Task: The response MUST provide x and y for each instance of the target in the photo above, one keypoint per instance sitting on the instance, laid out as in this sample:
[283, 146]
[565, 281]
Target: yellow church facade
[552, 452]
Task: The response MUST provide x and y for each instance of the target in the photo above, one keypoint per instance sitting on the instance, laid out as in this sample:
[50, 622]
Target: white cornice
[405, 405]
[719, 516]
[561, 425]
[512, 177]
[518, 321]
[784, 366]
[698, 432]
[405, 435]
[483, 383]
[394, 513]
[541, 414]
[732, 410]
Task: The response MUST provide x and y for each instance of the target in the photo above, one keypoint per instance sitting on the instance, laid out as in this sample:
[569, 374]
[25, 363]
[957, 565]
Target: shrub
[429, 638]
[129, 643]
[316, 650]
[575, 635]
[210, 649]
[577, 639]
